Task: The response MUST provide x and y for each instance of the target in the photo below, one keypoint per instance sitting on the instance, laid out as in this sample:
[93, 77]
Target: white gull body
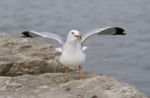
[72, 54]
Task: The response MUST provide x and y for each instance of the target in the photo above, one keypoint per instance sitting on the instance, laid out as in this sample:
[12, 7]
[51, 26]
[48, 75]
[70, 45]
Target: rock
[51, 85]
[38, 74]
[22, 56]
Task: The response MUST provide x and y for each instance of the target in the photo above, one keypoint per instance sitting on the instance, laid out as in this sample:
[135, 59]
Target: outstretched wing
[33, 34]
[104, 31]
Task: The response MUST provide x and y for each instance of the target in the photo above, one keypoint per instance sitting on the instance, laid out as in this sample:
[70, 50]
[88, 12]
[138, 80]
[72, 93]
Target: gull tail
[59, 49]
[84, 48]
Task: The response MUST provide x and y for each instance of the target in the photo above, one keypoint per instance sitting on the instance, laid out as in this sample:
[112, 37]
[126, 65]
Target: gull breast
[72, 59]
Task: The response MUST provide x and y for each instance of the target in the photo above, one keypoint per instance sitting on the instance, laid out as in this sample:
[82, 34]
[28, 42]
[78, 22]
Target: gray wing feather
[34, 34]
[104, 31]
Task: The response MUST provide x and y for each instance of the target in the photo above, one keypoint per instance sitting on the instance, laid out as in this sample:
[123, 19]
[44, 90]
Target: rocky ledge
[31, 70]
[22, 56]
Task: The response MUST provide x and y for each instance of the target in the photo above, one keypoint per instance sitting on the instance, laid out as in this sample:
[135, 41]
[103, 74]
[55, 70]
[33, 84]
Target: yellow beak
[78, 36]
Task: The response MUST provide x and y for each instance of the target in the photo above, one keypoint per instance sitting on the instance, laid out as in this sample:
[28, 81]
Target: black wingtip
[119, 31]
[26, 34]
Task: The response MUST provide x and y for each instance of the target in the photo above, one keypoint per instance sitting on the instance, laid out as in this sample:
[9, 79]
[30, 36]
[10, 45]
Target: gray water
[125, 57]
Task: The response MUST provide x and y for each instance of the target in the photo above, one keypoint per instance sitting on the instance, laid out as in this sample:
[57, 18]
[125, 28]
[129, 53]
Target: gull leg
[81, 75]
[68, 77]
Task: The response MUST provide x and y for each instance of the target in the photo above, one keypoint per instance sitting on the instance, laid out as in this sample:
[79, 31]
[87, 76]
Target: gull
[72, 50]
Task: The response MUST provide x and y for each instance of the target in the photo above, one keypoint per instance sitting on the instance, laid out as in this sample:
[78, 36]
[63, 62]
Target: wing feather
[104, 31]
[33, 34]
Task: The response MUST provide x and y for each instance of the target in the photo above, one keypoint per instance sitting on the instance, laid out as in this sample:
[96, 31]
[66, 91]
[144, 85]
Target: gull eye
[72, 32]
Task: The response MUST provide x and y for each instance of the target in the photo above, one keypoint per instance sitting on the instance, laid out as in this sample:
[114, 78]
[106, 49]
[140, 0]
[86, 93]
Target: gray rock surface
[38, 74]
[52, 85]
[22, 56]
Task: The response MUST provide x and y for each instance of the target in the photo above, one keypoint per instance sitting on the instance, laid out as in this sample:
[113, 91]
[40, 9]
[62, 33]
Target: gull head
[74, 35]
